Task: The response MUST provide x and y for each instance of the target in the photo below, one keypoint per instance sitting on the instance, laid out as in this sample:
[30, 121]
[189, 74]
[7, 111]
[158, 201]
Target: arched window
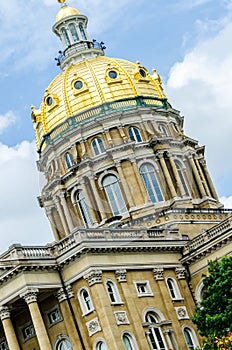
[148, 175]
[69, 161]
[112, 291]
[134, 134]
[155, 336]
[85, 301]
[163, 130]
[73, 32]
[190, 338]
[65, 36]
[82, 31]
[64, 344]
[101, 345]
[114, 195]
[181, 176]
[173, 288]
[128, 342]
[98, 146]
[84, 209]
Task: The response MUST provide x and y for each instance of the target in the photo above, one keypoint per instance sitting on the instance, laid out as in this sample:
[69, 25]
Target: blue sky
[188, 42]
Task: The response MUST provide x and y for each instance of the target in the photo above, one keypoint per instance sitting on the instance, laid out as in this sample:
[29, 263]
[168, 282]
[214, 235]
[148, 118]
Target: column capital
[30, 295]
[4, 312]
[158, 273]
[120, 275]
[94, 276]
[62, 295]
[180, 273]
[159, 154]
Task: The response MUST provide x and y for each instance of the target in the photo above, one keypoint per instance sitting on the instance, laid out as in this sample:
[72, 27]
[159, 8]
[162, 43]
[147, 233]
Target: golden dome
[66, 11]
[91, 83]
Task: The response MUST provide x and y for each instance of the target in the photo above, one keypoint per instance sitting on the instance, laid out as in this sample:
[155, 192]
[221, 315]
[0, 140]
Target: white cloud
[21, 218]
[200, 86]
[6, 120]
[227, 201]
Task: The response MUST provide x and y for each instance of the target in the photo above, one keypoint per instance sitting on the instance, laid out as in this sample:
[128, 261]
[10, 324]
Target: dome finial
[62, 2]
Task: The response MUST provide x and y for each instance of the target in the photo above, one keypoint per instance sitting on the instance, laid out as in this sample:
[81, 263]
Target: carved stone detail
[120, 275]
[180, 273]
[95, 276]
[181, 313]
[30, 295]
[93, 326]
[158, 273]
[62, 295]
[4, 312]
[121, 317]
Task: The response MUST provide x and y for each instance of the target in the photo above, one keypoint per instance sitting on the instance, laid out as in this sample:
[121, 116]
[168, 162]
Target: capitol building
[132, 207]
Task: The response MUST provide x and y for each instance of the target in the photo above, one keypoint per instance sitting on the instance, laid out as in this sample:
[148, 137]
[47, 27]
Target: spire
[71, 28]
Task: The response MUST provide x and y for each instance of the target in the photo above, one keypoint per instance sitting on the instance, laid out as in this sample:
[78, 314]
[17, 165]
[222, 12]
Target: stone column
[208, 177]
[125, 185]
[176, 175]
[167, 175]
[8, 329]
[108, 137]
[66, 211]
[170, 339]
[122, 133]
[62, 297]
[204, 183]
[61, 214]
[139, 181]
[54, 229]
[197, 176]
[30, 296]
[97, 198]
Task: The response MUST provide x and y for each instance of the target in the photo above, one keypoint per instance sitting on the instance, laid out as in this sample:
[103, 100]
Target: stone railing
[205, 237]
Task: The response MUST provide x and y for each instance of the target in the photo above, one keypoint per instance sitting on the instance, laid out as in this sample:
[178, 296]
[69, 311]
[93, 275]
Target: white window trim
[116, 293]
[54, 309]
[147, 286]
[132, 337]
[84, 309]
[176, 289]
[193, 334]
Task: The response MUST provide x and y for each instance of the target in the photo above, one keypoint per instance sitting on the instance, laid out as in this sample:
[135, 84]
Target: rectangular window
[3, 345]
[28, 331]
[143, 288]
[54, 316]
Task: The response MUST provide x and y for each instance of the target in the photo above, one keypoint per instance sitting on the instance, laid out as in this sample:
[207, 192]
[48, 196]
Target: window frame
[151, 183]
[98, 146]
[114, 195]
[132, 341]
[69, 160]
[3, 344]
[73, 31]
[174, 290]
[192, 336]
[144, 283]
[27, 326]
[114, 293]
[134, 134]
[83, 303]
[155, 334]
[54, 310]
[163, 130]
[60, 341]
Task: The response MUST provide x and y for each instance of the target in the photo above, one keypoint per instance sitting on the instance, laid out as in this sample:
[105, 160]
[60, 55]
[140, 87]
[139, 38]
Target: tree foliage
[213, 317]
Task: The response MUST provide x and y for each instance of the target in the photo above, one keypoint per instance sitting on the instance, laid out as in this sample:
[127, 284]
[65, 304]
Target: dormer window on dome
[112, 75]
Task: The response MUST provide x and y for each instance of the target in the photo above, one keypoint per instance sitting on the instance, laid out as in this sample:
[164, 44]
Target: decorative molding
[180, 273]
[158, 273]
[4, 312]
[62, 294]
[120, 275]
[93, 326]
[30, 295]
[121, 317]
[181, 313]
[94, 276]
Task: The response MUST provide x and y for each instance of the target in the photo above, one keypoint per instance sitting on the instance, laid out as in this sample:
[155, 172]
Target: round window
[78, 85]
[49, 100]
[112, 74]
[142, 73]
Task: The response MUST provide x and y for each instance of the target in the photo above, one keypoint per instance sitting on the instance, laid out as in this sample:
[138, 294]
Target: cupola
[71, 28]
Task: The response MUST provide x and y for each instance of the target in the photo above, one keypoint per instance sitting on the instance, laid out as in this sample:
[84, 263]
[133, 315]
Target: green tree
[213, 317]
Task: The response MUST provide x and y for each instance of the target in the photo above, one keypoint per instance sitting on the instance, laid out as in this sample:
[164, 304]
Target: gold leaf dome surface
[66, 11]
[91, 83]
